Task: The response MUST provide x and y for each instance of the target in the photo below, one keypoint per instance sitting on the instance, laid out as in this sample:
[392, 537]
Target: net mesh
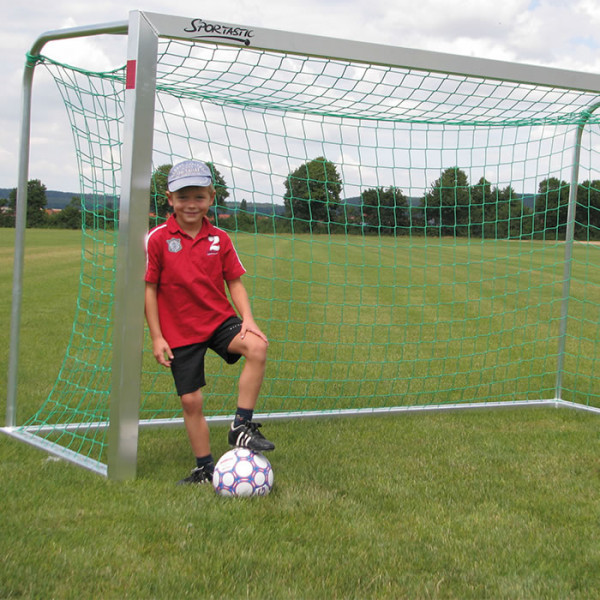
[403, 233]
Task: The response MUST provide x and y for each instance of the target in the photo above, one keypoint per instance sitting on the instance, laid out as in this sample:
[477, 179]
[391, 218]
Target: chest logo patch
[174, 245]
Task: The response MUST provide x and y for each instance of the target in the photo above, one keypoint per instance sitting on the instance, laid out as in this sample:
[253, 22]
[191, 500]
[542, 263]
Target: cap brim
[178, 184]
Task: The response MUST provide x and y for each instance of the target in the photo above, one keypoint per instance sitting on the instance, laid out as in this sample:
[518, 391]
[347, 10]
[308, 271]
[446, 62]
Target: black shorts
[187, 365]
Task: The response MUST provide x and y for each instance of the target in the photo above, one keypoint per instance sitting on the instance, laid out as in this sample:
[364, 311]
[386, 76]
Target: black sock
[206, 461]
[242, 415]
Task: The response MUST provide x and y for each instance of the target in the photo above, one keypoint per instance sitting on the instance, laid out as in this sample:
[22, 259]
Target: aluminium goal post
[394, 277]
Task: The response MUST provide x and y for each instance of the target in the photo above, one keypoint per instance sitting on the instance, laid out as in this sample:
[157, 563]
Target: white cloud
[551, 32]
[94, 53]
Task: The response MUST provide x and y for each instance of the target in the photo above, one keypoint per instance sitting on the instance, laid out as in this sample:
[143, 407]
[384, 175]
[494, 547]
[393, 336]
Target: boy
[189, 261]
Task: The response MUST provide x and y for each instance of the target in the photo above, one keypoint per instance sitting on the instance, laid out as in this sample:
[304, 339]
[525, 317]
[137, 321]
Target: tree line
[312, 204]
[70, 217]
[450, 207]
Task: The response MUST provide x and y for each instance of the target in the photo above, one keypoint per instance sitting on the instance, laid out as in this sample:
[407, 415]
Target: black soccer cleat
[248, 436]
[198, 475]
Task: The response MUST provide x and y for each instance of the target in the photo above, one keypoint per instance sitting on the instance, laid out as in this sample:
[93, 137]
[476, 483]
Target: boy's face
[191, 205]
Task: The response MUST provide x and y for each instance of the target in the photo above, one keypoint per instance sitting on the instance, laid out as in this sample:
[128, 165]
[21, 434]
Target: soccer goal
[420, 230]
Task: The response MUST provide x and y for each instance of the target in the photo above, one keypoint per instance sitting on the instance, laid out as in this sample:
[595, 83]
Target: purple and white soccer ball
[242, 472]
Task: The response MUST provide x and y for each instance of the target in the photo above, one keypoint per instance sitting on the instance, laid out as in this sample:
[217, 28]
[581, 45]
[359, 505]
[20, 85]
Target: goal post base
[30, 435]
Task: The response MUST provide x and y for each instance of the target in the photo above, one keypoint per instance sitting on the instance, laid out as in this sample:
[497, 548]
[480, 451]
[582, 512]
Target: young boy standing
[189, 262]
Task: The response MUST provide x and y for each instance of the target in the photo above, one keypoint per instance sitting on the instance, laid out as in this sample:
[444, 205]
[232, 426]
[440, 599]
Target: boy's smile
[190, 205]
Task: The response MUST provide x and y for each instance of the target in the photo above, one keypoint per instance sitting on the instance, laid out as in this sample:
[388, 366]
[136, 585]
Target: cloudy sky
[558, 33]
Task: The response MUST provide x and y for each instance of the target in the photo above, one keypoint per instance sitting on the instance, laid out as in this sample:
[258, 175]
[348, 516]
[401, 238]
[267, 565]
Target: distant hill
[61, 199]
[261, 208]
[528, 200]
[54, 199]
[357, 201]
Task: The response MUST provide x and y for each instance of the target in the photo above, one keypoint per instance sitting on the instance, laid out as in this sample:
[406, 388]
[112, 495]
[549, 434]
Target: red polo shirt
[190, 275]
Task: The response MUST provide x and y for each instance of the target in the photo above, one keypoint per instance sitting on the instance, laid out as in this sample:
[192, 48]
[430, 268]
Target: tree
[587, 213]
[220, 187]
[513, 220]
[447, 203]
[158, 190]
[312, 194]
[245, 221]
[36, 203]
[7, 215]
[483, 205]
[551, 205]
[385, 210]
[159, 204]
[70, 216]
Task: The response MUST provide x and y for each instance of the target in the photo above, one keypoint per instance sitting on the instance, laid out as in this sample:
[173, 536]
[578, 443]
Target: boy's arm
[160, 348]
[240, 300]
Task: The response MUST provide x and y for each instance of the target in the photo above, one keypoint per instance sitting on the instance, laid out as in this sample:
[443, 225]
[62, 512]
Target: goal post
[128, 325]
[386, 200]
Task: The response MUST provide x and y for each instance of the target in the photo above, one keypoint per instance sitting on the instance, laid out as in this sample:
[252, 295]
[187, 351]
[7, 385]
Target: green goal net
[414, 239]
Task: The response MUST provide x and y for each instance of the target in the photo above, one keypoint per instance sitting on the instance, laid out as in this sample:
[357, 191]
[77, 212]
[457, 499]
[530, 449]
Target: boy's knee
[257, 351]
[252, 348]
[192, 403]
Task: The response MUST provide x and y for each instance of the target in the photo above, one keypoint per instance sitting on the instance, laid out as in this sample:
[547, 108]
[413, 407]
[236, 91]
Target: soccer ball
[242, 472]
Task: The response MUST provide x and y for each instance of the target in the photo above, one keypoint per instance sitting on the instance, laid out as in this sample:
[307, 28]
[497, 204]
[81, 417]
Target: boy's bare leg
[195, 423]
[244, 432]
[254, 350]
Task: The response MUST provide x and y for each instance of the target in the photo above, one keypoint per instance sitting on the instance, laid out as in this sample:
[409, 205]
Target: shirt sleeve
[153, 263]
[232, 265]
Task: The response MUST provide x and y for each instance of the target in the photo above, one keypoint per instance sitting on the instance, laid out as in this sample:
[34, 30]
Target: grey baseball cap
[189, 172]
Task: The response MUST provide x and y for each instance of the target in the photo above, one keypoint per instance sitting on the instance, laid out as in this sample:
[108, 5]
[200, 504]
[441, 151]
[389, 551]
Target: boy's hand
[249, 326]
[162, 352]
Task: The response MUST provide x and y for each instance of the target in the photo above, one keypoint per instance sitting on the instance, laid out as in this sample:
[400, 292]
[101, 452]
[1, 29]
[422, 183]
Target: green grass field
[469, 504]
